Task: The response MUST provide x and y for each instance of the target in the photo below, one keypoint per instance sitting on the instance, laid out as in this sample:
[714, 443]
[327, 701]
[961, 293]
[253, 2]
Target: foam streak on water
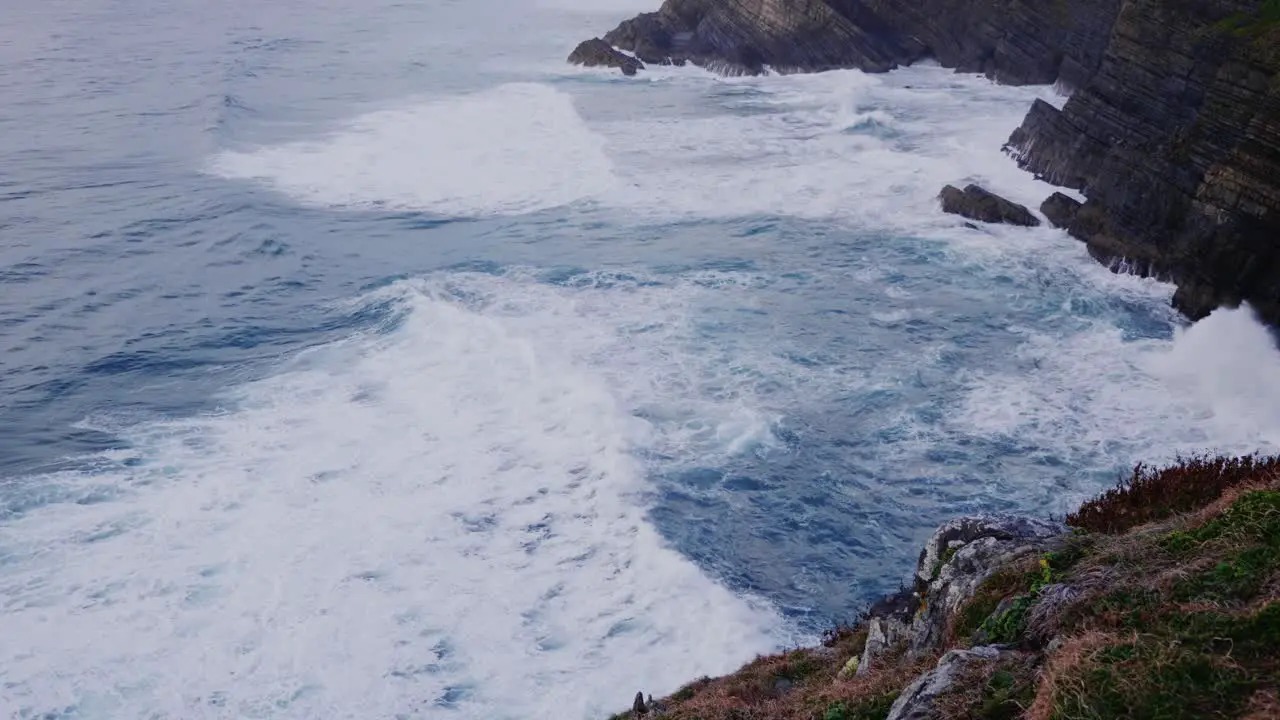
[439, 517]
[512, 149]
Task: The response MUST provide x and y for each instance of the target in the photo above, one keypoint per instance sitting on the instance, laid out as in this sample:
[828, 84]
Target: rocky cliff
[1172, 131]
[1175, 141]
[1160, 599]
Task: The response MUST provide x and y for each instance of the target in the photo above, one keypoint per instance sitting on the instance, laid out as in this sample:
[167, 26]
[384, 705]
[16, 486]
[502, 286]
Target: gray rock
[889, 623]
[919, 700]
[960, 531]
[1060, 209]
[981, 544]
[882, 634]
[976, 203]
[598, 53]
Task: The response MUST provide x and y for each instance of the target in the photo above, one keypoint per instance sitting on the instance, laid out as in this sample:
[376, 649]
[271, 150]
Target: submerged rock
[598, 53]
[1060, 209]
[978, 204]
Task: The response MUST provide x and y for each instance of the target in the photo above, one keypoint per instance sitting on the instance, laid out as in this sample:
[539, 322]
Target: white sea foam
[1216, 387]
[870, 149]
[511, 149]
[443, 515]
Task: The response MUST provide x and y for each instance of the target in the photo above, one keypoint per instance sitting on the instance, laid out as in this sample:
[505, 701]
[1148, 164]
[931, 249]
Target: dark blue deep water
[364, 360]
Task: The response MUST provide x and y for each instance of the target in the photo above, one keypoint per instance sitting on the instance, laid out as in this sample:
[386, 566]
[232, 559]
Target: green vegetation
[875, 708]
[1005, 695]
[1248, 537]
[1007, 626]
[1179, 658]
[1163, 603]
[942, 561]
[1152, 679]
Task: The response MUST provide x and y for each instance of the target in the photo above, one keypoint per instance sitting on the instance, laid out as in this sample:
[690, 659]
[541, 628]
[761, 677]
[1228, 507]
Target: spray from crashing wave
[513, 149]
[442, 514]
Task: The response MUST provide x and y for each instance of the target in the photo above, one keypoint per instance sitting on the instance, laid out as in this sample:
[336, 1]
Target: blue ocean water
[365, 360]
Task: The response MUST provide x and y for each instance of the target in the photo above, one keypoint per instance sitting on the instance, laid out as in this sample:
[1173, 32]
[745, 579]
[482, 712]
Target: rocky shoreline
[1171, 133]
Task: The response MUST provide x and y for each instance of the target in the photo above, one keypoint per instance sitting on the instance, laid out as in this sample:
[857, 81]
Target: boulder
[960, 555]
[889, 623]
[919, 700]
[598, 53]
[1060, 209]
[976, 203]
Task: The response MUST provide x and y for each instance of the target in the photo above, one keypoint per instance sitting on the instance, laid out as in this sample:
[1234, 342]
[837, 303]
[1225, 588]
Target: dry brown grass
[753, 692]
[1150, 494]
[1176, 617]
[1060, 677]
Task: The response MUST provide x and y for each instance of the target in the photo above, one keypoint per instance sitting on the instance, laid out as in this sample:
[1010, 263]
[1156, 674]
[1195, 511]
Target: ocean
[364, 360]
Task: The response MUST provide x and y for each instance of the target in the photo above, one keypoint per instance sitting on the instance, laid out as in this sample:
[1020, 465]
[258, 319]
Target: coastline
[1171, 131]
[1159, 598]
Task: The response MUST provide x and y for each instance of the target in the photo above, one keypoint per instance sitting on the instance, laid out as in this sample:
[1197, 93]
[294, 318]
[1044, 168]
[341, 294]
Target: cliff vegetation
[1158, 599]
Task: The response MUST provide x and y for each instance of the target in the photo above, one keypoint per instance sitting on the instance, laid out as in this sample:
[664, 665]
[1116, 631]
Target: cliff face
[743, 36]
[1029, 41]
[1172, 131]
[1175, 142]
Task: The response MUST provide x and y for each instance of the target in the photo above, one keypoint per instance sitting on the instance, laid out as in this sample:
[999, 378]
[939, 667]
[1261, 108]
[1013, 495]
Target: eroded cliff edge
[1158, 599]
[1172, 131]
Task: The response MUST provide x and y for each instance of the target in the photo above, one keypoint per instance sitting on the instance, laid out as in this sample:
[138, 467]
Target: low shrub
[1151, 494]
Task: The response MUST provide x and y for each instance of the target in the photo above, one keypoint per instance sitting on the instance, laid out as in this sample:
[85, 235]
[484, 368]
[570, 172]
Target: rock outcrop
[959, 556]
[919, 700]
[1060, 209]
[1175, 142]
[744, 36]
[598, 53]
[977, 203]
[1029, 41]
[1159, 598]
[953, 563]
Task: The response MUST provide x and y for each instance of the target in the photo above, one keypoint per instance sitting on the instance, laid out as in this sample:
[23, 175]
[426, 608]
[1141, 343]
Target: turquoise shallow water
[367, 361]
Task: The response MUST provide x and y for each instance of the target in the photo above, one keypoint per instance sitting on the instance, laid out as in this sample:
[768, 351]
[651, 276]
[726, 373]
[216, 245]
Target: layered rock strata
[1175, 143]
[1028, 41]
[1172, 132]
